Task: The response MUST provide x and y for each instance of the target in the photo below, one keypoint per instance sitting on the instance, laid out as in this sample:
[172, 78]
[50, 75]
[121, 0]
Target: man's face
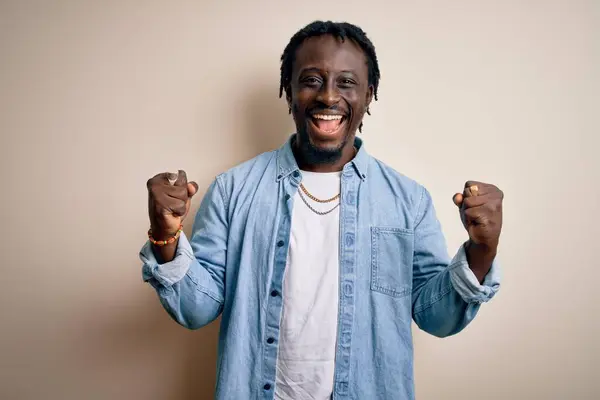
[329, 94]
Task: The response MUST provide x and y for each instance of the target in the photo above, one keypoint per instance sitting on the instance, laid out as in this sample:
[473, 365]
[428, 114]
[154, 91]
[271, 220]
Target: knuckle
[161, 206]
[179, 208]
[153, 189]
[153, 182]
[182, 192]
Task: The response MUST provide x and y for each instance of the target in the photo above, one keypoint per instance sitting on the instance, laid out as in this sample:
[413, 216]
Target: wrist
[482, 250]
[480, 257]
[162, 232]
[162, 238]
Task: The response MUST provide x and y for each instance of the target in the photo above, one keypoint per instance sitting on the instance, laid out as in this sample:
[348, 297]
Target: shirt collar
[286, 162]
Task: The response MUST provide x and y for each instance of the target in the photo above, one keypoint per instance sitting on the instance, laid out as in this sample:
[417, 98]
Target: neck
[348, 153]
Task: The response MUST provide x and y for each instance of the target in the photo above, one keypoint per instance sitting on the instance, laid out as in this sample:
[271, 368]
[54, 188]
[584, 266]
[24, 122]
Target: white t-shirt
[307, 342]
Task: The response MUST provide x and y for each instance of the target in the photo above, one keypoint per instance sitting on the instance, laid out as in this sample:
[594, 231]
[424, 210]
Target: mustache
[325, 110]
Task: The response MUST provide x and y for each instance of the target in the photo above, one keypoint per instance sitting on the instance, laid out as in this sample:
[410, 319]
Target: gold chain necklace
[310, 196]
[317, 211]
[337, 196]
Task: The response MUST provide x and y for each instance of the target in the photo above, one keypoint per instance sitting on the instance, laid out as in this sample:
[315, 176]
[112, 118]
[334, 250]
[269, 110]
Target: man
[317, 256]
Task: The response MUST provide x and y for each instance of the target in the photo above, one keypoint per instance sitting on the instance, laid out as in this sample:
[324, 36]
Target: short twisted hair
[341, 30]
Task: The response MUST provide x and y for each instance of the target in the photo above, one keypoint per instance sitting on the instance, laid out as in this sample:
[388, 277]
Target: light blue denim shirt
[394, 268]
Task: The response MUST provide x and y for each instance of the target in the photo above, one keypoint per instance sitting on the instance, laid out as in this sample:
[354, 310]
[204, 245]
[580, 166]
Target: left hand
[480, 207]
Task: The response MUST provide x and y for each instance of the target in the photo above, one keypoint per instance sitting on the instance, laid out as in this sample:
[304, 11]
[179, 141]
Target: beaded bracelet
[165, 242]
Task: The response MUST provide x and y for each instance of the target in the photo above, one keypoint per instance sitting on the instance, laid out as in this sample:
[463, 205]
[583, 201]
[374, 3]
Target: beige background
[96, 97]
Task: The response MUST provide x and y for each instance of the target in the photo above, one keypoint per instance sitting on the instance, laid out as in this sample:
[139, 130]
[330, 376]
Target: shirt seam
[435, 299]
[415, 255]
[224, 197]
[418, 213]
[202, 289]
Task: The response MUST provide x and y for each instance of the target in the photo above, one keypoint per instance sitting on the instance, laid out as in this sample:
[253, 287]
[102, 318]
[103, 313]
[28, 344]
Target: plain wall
[96, 97]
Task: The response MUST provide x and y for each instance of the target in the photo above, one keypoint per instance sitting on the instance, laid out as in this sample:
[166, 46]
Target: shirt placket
[347, 256]
[275, 303]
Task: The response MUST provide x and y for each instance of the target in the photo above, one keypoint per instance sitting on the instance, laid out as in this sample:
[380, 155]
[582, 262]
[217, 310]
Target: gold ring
[172, 178]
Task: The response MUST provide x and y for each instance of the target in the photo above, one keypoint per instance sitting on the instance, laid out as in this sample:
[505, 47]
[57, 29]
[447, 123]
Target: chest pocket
[392, 260]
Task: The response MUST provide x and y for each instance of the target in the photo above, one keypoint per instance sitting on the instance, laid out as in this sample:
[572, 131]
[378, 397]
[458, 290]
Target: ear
[370, 92]
[288, 99]
[288, 96]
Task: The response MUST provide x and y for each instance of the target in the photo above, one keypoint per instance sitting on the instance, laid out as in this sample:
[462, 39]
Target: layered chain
[317, 211]
[314, 198]
[310, 196]
[304, 192]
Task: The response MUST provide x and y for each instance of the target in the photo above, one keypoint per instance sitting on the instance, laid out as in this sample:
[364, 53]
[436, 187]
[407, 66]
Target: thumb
[181, 178]
[458, 199]
[192, 188]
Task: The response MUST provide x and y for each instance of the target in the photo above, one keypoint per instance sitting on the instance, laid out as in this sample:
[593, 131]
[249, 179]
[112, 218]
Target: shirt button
[296, 174]
[270, 340]
[348, 289]
[267, 386]
[350, 198]
[349, 239]
[274, 293]
[280, 243]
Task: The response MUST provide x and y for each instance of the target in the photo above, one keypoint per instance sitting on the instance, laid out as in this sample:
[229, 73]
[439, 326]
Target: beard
[312, 154]
[315, 155]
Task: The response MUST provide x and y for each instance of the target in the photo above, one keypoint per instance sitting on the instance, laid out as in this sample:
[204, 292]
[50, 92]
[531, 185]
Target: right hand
[168, 205]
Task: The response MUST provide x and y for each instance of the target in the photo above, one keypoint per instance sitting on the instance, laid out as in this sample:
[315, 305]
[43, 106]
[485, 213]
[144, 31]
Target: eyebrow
[311, 69]
[315, 69]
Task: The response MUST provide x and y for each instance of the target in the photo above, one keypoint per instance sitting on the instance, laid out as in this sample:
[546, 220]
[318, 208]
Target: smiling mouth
[328, 124]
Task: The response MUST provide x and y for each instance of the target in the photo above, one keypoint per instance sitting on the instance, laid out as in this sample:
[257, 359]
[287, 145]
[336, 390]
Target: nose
[328, 94]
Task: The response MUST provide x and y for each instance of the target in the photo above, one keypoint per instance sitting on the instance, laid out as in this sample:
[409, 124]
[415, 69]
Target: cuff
[171, 272]
[467, 285]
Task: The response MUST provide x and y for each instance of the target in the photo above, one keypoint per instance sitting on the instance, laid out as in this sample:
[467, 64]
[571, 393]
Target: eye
[311, 81]
[346, 82]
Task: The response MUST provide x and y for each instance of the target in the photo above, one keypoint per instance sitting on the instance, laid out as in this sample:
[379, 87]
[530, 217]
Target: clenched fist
[169, 198]
[480, 208]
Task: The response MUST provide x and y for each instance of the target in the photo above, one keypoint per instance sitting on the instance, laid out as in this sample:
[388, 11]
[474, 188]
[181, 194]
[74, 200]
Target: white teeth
[327, 117]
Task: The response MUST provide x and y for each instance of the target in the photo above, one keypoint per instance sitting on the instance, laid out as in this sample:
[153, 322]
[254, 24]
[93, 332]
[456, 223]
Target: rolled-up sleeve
[466, 283]
[191, 286]
[446, 293]
[169, 273]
